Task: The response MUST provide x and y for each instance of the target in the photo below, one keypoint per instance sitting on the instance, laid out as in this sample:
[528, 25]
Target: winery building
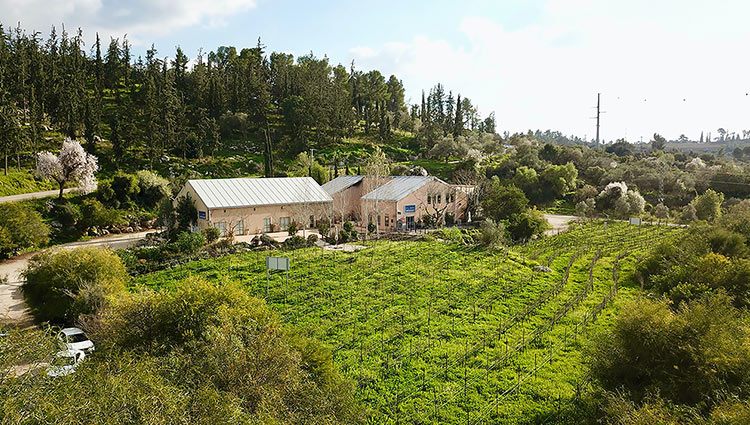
[396, 202]
[257, 205]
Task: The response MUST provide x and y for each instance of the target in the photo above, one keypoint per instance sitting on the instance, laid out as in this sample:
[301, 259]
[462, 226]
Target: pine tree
[458, 125]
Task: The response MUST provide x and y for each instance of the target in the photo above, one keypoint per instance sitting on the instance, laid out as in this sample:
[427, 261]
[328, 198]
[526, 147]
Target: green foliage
[62, 285]
[152, 189]
[708, 205]
[65, 213]
[211, 234]
[20, 227]
[216, 335]
[189, 243]
[125, 188]
[527, 225]
[502, 202]
[492, 233]
[688, 356]
[17, 182]
[94, 214]
[186, 213]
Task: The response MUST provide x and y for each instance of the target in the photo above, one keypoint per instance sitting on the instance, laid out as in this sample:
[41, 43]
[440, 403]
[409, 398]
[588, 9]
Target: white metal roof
[399, 187]
[340, 183]
[248, 192]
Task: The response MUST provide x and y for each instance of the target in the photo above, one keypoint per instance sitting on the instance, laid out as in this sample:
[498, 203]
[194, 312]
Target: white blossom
[72, 165]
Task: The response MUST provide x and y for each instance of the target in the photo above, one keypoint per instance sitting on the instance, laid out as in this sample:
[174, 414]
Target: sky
[667, 66]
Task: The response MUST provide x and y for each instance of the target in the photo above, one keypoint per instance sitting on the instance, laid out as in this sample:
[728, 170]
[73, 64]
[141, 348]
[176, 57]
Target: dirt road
[12, 306]
[558, 223]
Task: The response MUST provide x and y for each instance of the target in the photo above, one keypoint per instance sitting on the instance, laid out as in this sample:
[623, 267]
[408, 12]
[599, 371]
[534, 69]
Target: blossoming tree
[71, 165]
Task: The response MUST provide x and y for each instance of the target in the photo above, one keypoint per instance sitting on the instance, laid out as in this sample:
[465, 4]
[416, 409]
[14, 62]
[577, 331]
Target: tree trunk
[6, 164]
[62, 186]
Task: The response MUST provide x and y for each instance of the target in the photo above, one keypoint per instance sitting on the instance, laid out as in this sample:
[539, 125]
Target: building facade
[397, 202]
[245, 206]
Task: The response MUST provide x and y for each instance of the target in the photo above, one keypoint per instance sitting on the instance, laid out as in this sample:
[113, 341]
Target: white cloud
[644, 59]
[140, 19]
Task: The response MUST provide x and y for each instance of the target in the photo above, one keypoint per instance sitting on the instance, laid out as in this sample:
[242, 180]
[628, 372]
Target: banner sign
[410, 208]
[202, 215]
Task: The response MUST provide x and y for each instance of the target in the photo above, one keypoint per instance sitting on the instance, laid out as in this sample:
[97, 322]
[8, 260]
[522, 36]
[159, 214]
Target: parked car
[65, 362]
[76, 339]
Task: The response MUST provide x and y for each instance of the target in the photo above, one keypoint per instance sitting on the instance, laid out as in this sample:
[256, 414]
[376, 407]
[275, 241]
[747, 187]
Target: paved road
[12, 306]
[33, 195]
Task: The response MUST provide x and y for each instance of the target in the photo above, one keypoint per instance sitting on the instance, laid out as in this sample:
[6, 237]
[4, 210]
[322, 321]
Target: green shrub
[94, 214]
[20, 227]
[689, 356]
[66, 213]
[348, 226]
[492, 233]
[62, 285]
[294, 242]
[189, 243]
[526, 225]
[211, 234]
[292, 229]
[312, 239]
[125, 188]
[152, 189]
[186, 212]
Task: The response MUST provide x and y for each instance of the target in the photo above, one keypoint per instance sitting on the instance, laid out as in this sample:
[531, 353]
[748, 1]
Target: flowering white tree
[72, 165]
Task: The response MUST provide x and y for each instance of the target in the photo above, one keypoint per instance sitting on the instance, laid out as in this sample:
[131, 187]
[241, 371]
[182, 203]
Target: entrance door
[266, 225]
[410, 222]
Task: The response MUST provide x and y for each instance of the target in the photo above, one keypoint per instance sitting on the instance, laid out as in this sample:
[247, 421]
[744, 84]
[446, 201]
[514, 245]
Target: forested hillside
[136, 111]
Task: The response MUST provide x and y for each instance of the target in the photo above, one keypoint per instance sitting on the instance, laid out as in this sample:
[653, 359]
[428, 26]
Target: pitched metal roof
[248, 192]
[399, 187]
[340, 183]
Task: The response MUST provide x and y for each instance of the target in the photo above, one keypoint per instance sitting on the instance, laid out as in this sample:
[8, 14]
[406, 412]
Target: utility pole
[598, 104]
[598, 114]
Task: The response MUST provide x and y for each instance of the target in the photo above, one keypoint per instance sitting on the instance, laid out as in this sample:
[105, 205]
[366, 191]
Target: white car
[65, 362]
[76, 339]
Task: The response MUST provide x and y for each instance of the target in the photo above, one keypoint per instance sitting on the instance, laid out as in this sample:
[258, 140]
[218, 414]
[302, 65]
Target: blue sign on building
[410, 208]
[202, 215]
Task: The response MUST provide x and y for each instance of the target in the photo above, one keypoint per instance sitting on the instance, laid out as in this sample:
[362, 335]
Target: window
[438, 200]
[284, 223]
[378, 219]
[312, 221]
[429, 199]
[447, 198]
[386, 221]
[266, 225]
[240, 228]
[222, 226]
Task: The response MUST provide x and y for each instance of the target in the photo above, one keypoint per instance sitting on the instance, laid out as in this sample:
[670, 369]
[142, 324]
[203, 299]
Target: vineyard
[437, 332]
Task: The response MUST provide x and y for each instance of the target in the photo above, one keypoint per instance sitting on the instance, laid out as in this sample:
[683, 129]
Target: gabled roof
[399, 187]
[340, 183]
[249, 192]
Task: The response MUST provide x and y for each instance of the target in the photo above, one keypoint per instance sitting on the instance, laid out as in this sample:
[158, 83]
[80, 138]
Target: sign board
[277, 263]
[635, 221]
[202, 215]
[410, 208]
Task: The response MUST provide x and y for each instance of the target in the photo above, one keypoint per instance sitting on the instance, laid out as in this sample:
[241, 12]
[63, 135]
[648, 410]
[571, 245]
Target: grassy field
[435, 332]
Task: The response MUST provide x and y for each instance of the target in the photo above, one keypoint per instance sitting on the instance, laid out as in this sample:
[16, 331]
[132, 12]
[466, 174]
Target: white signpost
[635, 221]
[279, 264]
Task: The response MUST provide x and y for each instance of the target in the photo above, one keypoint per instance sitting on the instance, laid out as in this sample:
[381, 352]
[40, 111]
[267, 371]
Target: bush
[65, 213]
[292, 229]
[324, 227]
[211, 234]
[312, 239]
[527, 225]
[186, 213]
[125, 188]
[348, 226]
[20, 227]
[294, 242]
[94, 214]
[152, 189]
[189, 243]
[492, 233]
[689, 356]
[62, 285]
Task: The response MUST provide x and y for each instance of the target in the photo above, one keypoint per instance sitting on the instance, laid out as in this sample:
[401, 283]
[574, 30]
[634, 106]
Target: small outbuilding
[257, 205]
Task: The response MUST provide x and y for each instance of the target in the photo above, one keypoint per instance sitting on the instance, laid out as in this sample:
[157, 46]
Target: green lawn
[435, 332]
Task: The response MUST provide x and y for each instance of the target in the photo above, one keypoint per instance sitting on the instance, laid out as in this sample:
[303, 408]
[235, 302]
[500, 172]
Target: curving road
[13, 308]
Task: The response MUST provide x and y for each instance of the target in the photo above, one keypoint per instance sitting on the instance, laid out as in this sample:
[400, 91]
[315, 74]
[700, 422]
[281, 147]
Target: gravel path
[13, 308]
